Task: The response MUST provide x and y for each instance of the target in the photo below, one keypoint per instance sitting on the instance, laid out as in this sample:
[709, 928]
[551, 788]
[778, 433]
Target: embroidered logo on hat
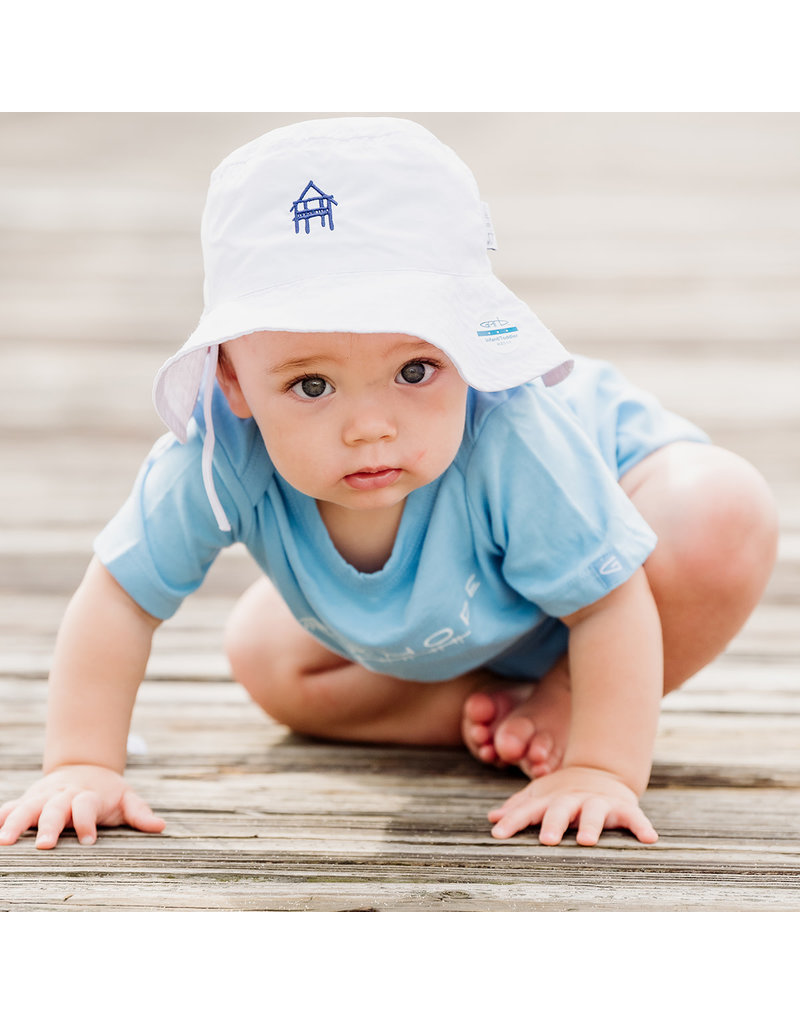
[308, 206]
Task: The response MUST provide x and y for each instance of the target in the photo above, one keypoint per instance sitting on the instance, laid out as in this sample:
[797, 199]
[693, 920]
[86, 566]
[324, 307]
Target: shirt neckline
[410, 534]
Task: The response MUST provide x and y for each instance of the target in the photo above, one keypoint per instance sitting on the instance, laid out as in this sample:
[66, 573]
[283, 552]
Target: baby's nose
[368, 422]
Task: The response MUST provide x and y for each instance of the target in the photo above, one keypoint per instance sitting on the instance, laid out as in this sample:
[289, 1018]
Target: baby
[467, 535]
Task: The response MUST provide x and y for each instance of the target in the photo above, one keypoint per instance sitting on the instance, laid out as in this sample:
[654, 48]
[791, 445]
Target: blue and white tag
[498, 333]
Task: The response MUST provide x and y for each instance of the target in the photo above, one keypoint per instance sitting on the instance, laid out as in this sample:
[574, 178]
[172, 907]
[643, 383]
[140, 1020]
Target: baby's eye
[311, 387]
[416, 373]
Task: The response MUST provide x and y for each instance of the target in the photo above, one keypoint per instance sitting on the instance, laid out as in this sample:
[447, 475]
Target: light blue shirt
[528, 523]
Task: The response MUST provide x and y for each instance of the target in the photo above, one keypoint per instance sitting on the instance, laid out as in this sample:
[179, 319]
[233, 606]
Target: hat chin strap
[208, 443]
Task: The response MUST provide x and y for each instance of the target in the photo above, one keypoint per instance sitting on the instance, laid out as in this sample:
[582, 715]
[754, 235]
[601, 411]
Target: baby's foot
[523, 725]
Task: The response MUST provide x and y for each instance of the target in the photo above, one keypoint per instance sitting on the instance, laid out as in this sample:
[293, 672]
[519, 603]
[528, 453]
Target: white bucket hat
[358, 224]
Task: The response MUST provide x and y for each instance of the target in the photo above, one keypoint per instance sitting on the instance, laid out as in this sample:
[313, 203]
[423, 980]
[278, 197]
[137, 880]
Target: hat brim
[493, 338]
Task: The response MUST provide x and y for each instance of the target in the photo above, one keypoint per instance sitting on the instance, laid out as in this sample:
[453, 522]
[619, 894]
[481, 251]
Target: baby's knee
[267, 671]
[281, 666]
[258, 644]
[728, 525]
[242, 639]
[242, 652]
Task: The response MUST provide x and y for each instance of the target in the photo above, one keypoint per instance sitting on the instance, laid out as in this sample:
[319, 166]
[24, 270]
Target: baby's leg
[717, 527]
[303, 685]
[717, 534]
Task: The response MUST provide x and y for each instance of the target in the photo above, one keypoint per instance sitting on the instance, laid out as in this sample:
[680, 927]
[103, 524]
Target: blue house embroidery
[308, 206]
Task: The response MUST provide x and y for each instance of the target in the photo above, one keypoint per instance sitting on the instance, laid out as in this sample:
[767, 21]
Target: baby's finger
[512, 819]
[53, 820]
[518, 801]
[592, 820]
[138, 814]
[21, 817]
[6, 809]
[637, 822]
[557, 819]
[85, 808]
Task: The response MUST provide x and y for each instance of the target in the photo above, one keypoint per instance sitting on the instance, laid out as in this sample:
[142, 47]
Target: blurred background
[669, 243]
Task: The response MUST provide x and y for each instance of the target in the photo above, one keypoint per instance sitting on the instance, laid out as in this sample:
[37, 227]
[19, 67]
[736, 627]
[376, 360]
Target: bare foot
[524, 725]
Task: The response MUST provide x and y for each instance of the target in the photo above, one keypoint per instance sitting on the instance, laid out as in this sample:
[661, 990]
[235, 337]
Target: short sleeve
[164, 539]
[563, 529]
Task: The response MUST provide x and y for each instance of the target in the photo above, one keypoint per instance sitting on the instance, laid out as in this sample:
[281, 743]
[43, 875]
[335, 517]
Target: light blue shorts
[627, 424]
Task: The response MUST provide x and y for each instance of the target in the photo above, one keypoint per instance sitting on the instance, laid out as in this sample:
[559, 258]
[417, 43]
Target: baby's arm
[616, 670]
[99, 661]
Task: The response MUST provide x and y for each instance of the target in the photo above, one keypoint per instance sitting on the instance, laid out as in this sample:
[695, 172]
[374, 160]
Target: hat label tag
[501, 333]
[491, 241]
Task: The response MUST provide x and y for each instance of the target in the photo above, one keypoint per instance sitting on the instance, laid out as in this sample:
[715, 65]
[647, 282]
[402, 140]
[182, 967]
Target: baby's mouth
[370, 477]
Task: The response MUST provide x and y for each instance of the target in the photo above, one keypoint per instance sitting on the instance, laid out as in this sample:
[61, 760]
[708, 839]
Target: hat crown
[338, 196]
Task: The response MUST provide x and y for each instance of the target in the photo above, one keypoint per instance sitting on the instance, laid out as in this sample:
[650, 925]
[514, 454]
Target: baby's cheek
[431, 461]
[423, 460]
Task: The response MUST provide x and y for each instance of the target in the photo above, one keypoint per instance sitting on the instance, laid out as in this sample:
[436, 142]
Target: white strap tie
[208, 443]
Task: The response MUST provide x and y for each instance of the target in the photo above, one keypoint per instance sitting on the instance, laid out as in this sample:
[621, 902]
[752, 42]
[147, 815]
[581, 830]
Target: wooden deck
[670, 244]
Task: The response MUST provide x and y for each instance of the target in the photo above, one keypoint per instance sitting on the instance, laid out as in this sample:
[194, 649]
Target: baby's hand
[81, 795]
[592, 798]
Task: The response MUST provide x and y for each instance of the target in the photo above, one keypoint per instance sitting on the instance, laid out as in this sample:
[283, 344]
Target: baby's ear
[229, 382]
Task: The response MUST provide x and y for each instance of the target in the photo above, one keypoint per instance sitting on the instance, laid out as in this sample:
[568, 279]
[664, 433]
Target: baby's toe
[541, 757]
[487, 754]
[480, 708]
[513, 738]
[484, 715]
[476, 736]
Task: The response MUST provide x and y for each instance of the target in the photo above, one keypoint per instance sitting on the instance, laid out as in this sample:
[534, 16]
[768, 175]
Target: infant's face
[359, 420]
